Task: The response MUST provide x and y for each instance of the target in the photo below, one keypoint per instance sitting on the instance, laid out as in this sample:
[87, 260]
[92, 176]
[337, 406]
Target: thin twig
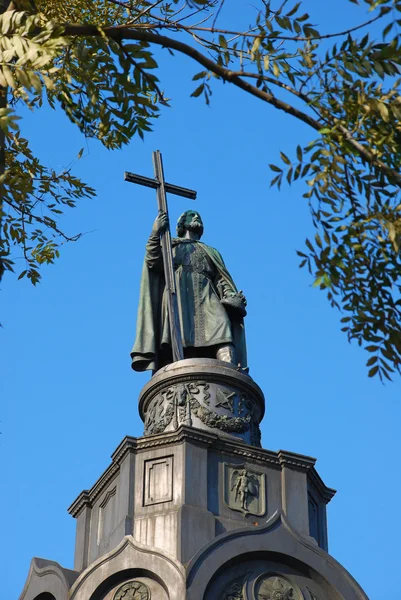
[142, 13]
[119, 34]
[190, 28]
[273, 81]
[42, 221]
[122, 4]
[217, 13]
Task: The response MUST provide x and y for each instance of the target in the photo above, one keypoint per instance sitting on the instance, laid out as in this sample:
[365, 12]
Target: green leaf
[387, 29]
[285, 158]
[198, 91]
[199, 75]
[275, 168]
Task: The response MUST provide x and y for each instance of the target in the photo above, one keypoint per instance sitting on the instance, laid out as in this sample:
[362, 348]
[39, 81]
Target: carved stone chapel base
[196, 509]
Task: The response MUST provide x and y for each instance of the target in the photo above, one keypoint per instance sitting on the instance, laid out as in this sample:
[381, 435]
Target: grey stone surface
[173, 500]
[47, 576]
[177, 491]
[250, 556]
[199, 514]
[129, 561]
[204, 393]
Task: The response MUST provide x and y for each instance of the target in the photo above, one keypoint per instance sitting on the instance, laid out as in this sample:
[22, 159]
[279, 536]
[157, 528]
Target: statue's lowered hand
[235, 303]
[161, 223]
[241, 296]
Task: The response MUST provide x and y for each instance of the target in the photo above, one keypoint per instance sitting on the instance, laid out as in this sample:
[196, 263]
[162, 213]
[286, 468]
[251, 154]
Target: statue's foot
[226, 353]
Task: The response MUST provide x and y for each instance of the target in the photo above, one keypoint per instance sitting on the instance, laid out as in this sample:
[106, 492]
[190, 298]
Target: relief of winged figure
[245, 486]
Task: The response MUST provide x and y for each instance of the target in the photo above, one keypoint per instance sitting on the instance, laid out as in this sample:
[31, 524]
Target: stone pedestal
[196, 509]
[203, 393]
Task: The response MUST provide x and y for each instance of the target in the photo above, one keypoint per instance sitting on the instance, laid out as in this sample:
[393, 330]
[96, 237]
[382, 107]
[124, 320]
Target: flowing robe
[201, 280]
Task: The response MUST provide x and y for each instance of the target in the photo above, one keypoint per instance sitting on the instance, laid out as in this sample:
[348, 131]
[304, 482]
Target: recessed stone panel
[158, 480]
[107, 510]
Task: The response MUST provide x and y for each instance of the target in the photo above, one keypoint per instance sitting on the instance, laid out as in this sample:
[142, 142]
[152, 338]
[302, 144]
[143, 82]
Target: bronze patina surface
[210, 308]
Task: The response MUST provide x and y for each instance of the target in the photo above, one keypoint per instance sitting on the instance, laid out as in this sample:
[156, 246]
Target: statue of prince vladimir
[211, 309]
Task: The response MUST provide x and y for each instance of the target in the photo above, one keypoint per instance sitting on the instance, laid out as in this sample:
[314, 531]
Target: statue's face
[193, 221]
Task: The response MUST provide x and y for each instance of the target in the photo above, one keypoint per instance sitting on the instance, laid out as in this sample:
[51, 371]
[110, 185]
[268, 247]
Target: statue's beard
[195, 226]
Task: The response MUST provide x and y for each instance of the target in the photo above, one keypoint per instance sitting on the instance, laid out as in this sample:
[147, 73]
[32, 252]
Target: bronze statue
[210, 308]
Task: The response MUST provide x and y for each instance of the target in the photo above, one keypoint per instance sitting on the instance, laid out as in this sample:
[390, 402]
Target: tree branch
[273, 81]
[48, 223]
[5, 5]
[120, 33]
[296, 38]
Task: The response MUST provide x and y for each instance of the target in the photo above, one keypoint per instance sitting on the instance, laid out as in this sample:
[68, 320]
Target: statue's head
[190, 220]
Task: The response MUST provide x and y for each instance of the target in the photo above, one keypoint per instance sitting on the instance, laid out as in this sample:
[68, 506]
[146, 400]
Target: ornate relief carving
[225, 399]
[133, 590]
[160, 412]
[244, 489]
[275, 587]
[222, 422]
[216, 406]
[178, 404]
[234, 590]
[210, 417]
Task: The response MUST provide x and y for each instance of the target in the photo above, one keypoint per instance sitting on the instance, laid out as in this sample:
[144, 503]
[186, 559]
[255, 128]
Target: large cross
[161, 188]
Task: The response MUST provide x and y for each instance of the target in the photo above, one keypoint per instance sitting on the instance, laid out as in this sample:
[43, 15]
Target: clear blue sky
[68, 393]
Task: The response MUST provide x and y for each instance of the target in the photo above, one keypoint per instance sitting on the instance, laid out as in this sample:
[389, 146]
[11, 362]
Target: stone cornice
[182, 434]
[128, 444]
[229, 446]
[325, 492]
[238, 448]
[81, 502]
[293, 461]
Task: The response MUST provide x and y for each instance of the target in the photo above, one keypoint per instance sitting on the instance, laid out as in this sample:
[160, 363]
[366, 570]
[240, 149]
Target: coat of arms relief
[244, 489]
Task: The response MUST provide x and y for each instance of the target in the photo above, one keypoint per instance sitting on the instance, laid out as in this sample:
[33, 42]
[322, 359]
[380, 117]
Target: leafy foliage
[96, 61]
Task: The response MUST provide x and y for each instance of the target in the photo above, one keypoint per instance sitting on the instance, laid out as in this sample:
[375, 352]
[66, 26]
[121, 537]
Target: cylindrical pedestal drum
[206, 394]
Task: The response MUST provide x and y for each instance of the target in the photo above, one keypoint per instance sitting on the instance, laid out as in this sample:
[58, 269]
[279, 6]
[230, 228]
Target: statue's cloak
[148, 352]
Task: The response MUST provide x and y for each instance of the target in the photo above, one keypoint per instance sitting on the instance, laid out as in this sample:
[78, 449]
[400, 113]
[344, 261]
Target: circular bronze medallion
[133, 590]
[274, 587]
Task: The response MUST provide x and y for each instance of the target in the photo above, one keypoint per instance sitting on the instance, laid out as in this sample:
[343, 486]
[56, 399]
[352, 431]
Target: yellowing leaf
[383, 111]
[276, 69]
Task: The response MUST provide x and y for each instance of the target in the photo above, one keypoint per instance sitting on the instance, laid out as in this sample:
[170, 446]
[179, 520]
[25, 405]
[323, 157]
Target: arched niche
[157, 571]
[140, 578]
[257, 575]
